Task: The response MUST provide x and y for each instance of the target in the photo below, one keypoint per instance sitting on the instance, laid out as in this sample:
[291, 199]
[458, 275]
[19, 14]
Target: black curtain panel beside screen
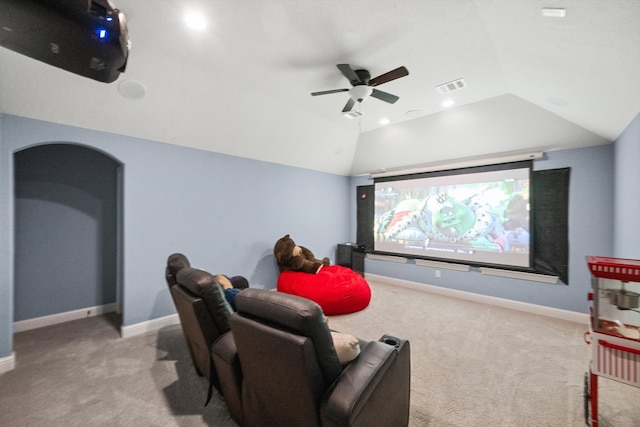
[550, 190]
[364, 203]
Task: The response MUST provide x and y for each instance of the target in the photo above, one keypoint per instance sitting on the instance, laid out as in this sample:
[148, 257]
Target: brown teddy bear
[290, 256]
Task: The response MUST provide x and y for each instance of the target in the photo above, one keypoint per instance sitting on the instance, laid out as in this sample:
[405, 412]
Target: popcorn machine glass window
[616, 296]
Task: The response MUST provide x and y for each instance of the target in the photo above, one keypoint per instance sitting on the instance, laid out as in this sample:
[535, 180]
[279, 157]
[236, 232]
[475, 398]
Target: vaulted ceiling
[242, 86]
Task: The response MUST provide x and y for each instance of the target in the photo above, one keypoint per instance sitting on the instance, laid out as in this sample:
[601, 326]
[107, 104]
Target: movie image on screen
[478, 216]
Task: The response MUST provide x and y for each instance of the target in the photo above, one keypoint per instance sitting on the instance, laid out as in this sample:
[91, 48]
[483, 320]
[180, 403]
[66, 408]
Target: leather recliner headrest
[175, 263]
[203, 284]
[295, 314]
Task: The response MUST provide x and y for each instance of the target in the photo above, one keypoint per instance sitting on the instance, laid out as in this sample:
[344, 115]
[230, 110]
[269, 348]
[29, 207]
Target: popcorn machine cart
[615, 326]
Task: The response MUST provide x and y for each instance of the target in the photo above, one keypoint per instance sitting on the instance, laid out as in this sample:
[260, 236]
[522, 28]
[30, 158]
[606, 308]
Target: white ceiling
[243, 85]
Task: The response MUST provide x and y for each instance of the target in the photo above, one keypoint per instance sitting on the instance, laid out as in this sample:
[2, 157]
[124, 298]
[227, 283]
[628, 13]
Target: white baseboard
[7, 363]
[53, 319]
[556, 313]
[149, 325]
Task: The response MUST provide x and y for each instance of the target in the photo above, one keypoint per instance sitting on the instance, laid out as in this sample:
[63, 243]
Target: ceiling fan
[363, 85]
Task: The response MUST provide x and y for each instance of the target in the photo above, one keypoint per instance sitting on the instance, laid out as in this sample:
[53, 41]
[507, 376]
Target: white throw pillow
[347, 347]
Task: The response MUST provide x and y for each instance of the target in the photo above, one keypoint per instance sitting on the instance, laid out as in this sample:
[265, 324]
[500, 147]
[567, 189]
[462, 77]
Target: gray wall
[627, 193]
[65, 229]
[591, 206]
[225, 213]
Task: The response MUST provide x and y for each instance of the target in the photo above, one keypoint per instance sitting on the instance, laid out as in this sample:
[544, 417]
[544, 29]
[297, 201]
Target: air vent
[451, 86]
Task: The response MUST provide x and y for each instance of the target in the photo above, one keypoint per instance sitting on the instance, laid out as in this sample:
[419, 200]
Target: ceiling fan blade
[348, 106]
[384, 96]
[349, 73]
[326, 92]
[387, 77]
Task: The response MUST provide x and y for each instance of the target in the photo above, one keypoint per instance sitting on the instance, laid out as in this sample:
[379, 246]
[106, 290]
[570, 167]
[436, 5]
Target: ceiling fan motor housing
[364, 76]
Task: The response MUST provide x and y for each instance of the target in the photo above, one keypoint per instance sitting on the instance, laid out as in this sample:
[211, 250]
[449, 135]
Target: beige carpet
[481, 365]
[81, 373]
[472, 365]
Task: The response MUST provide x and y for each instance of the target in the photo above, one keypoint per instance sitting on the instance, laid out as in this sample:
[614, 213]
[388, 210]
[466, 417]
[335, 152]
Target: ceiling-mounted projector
[85, 37]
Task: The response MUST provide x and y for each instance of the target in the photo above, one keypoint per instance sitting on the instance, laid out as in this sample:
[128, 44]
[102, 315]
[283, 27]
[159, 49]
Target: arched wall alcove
[67, 221]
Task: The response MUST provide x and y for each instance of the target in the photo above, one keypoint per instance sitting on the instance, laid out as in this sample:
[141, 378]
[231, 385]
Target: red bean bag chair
[337, 289]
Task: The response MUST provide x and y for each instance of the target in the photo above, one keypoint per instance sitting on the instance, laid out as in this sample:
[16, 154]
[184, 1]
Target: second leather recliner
[279, 367]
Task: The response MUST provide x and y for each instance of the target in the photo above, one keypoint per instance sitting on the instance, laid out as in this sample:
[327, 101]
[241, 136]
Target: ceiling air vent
[451, 86]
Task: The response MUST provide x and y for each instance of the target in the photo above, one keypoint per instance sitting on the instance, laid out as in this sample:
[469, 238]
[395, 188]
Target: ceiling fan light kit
[360, 93]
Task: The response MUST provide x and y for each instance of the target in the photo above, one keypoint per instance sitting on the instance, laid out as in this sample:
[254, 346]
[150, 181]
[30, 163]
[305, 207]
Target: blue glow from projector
[102, 33]
[109, 18]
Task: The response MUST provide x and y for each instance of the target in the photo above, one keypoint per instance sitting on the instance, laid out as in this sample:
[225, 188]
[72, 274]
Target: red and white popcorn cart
[615, 326]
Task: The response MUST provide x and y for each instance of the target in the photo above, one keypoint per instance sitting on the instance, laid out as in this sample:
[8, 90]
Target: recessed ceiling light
[195, 20]
[447, 103]
[385, 121]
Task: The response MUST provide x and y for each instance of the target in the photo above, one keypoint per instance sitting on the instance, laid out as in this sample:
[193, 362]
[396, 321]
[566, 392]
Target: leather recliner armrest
[227, 365]
[374, 389]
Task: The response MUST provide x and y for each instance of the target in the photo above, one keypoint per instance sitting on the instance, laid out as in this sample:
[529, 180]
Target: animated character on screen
[469, 221]
[441, 218]
[290, 256]
[408, 221]
[516, 222]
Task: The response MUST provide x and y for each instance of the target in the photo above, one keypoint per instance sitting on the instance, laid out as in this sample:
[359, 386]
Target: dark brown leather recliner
[290, 373]
[204, 317]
